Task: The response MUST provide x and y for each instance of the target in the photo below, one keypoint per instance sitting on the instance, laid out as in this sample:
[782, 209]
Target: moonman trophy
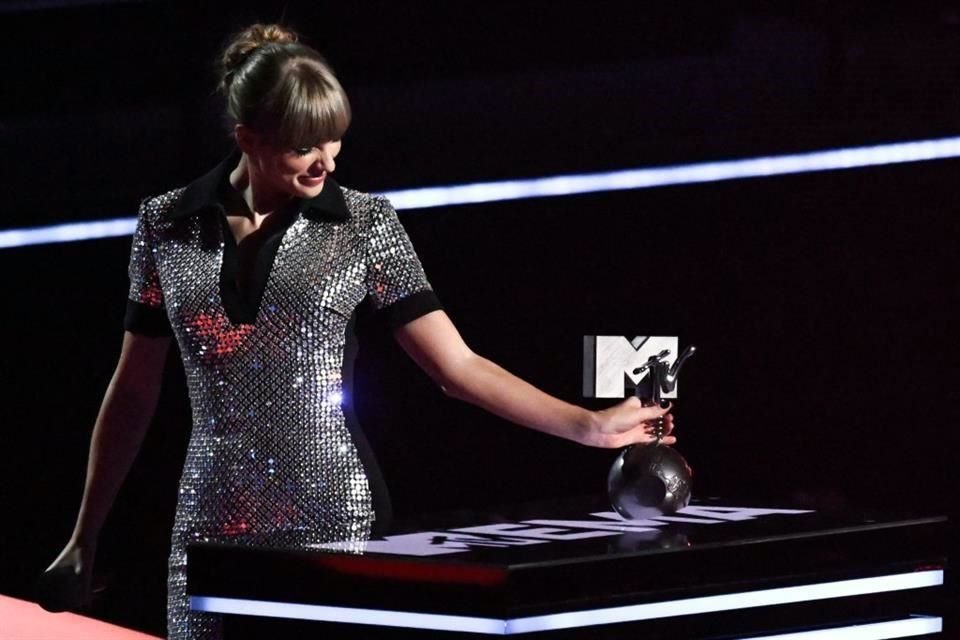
[653, 479]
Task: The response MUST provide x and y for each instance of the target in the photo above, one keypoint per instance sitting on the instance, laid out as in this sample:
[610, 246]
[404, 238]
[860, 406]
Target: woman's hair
[281, 88]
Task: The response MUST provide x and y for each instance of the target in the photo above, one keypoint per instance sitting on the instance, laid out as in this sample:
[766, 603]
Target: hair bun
[244, 43]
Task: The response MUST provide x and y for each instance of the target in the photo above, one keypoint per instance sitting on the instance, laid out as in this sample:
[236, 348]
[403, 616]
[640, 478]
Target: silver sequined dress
[269, 451]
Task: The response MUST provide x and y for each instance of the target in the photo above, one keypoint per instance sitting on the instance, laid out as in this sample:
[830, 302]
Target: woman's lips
[312, 181]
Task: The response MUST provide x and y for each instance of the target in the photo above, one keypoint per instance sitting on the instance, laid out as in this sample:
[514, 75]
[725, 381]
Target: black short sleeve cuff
[410, 308]
[146, 320]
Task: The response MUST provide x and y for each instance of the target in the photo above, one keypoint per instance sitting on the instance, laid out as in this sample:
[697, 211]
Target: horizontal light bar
[906, 628]
[573, 619]
[730, 601]
[72, 232]
[323, 613]
[565, 185]
[761, 167]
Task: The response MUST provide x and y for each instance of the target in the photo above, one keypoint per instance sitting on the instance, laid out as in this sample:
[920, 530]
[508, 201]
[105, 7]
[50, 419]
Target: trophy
[652, 479]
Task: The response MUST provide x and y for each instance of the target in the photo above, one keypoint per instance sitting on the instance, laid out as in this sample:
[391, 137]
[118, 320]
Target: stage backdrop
[823, 304]
[824, 376]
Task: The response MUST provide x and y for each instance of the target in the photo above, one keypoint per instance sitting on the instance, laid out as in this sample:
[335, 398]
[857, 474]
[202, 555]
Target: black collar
[205, 193]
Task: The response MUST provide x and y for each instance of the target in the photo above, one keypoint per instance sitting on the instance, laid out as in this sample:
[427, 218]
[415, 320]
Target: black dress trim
[380, 494]
[410, 308]
[206, 193]
[146, 320]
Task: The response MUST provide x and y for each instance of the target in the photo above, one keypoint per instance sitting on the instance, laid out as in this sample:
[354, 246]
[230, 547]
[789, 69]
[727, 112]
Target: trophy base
[646, 481]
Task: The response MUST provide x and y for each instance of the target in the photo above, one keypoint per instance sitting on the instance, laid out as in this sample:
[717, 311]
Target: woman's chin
[305, 192]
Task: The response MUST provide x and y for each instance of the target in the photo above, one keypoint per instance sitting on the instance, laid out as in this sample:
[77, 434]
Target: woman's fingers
[654, 412]
[640, 413]
[667, 424]
[65, 585]
[644, 433]
[632, 423]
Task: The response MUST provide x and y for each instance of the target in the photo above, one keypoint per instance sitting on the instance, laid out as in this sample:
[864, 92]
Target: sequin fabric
[269, 452]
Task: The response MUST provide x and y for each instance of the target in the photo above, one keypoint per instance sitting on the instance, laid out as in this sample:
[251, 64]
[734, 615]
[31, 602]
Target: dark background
[823, 304]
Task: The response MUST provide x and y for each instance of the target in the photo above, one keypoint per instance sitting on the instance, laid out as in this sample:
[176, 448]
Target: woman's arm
[435, 344]
[125, 414]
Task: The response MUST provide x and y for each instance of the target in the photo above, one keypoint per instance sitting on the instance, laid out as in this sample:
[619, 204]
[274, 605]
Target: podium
[573, 568]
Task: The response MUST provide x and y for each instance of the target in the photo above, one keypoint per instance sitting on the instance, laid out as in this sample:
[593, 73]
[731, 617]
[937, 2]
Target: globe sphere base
[646, 481]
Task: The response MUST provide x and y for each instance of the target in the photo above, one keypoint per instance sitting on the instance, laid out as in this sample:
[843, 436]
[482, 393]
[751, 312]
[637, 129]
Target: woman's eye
[302, 151]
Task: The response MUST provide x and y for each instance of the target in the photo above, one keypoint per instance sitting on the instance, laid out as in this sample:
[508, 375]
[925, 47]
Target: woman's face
[294, 172]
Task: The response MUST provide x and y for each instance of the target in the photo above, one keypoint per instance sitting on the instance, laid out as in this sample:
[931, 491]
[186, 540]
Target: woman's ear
[246, 138]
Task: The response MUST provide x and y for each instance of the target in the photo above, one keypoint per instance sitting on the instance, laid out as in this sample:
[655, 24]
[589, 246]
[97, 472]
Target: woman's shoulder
[364, 206]
[157, 206]
[360, 198]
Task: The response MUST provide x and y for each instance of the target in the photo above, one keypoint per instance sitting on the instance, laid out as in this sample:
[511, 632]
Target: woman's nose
[326, 160]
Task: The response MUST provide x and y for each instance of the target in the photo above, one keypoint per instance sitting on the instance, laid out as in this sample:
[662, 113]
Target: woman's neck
[249, 183]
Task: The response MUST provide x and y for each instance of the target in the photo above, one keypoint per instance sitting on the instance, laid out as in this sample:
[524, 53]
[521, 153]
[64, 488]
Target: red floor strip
[22, 620]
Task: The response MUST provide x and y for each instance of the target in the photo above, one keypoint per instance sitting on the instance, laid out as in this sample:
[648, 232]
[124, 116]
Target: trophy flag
[609, 363]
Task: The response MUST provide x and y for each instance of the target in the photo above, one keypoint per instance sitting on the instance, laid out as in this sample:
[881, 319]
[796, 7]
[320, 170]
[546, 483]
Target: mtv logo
[609, 361]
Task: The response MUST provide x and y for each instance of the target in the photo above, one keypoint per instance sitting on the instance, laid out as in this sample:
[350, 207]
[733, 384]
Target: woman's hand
[65, 585]
[629, 423]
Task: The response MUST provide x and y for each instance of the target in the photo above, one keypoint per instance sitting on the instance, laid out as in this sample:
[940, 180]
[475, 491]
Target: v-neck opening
[243, 305]
[210, 195]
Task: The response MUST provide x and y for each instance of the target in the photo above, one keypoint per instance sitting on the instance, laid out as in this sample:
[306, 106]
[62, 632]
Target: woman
[255, 269]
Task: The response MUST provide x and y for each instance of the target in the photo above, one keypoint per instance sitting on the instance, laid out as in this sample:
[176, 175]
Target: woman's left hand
[629, 423]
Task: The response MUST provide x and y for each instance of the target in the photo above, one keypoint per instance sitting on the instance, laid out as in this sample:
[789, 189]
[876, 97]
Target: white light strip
[72, 232]
[906, 628]
[322, 613]
[565, 185]
[585, 618]
[730, 601]
[761, 167]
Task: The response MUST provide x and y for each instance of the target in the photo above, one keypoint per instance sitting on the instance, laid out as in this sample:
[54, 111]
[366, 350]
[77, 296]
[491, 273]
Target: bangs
[311, 107]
